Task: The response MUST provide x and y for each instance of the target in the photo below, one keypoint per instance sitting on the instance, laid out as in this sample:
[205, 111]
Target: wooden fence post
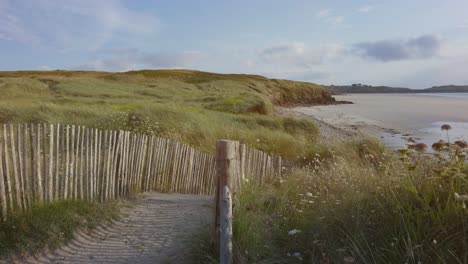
[225, 161]
[225, 252]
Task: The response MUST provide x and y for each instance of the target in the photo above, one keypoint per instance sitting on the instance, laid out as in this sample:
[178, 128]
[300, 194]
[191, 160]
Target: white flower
[434, 241]
[296, 254]
[308, 194]
[459, 197]
[293, 232]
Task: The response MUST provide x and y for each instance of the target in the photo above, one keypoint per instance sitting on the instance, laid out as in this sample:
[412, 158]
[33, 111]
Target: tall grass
[364, 206]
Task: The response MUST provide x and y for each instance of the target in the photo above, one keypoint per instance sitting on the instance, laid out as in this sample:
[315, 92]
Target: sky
[406, 43]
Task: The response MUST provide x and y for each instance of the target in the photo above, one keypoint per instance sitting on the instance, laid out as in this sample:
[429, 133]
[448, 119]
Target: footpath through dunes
[158, 228]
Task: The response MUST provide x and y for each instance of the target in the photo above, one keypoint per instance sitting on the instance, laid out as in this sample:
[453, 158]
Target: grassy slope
[367, 207]
[194, 107]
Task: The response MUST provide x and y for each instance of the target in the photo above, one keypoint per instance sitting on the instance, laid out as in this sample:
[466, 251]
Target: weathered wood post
[242, 157]
[225, 252]
[225, 161]
[278, 166]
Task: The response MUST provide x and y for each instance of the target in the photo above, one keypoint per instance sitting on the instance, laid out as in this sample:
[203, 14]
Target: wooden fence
[236, 163]
[46, 162]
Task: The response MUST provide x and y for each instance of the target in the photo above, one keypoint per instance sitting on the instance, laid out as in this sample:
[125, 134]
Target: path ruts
[158, 229]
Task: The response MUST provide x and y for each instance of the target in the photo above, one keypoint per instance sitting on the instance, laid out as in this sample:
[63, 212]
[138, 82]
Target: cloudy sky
[417, 43]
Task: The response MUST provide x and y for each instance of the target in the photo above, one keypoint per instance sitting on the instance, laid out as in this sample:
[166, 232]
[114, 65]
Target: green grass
[51, 224]
[197, 108]
[364, 206]
[193, 107]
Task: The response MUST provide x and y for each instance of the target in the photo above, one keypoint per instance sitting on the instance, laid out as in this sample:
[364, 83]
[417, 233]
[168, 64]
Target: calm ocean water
[453, 95]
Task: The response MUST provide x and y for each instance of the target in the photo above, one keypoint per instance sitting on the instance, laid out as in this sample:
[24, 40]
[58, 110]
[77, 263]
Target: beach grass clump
[388, 208]
[52, 224]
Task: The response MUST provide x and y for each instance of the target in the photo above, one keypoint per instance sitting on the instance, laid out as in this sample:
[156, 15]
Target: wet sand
[395, 118]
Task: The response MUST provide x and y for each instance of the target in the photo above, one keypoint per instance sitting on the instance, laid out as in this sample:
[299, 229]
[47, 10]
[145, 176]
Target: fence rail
[46, 162]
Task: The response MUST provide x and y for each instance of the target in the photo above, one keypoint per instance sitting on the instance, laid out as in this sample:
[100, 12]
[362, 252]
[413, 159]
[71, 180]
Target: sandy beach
[394, 118]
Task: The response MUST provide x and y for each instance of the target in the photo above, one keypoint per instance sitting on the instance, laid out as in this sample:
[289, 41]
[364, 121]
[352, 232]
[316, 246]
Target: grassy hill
[190, 106]
[347, 202]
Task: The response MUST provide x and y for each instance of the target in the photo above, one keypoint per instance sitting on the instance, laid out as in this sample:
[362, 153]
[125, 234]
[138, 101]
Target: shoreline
[394, 119]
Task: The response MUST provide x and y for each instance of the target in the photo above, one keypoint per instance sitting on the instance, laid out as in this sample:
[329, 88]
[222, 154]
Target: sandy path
[155, 230]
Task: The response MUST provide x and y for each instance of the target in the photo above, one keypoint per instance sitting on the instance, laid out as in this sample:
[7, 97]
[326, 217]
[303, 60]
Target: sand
[394, 118]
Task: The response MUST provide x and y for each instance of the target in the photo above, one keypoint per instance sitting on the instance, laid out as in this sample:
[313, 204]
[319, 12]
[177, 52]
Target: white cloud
[328, 16]
[67, 25]
[323, 13]
[133, 59]
[298, 54]
[365, 9]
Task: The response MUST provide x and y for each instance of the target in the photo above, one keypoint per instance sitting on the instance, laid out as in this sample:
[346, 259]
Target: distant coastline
[396, 119]
[363, 88]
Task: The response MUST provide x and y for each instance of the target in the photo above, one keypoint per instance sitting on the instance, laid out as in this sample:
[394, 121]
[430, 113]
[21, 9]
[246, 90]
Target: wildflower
[294, 231]
[461, 144]
[463, 197]
[296, 254]
[445, 127]
[434, 242]
[308, 194]
[438, 146]
[420, 147]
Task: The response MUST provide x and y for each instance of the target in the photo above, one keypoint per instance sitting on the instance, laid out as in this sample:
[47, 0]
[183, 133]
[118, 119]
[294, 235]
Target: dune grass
[360, 205]
[50, 225]
[346, 203]
[197, 108]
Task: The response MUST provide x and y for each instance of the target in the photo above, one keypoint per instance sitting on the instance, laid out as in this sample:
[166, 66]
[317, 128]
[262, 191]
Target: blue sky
[417, 43]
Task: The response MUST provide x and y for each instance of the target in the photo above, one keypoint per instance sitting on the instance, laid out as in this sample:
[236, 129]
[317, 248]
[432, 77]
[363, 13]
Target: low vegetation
[365, 206]
[193, 107]
[51, 224]
[197, 108]
[352, 202]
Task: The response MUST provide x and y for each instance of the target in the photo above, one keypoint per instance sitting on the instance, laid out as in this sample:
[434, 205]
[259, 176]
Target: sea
[452, 95]
[433, 133]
